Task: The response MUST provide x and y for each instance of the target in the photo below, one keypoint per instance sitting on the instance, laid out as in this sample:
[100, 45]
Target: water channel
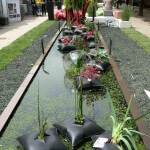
[56, 101]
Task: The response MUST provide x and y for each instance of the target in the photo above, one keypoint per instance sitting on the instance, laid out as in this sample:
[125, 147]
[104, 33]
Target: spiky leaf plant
[78, 103]
[42, 121]
[121, 135]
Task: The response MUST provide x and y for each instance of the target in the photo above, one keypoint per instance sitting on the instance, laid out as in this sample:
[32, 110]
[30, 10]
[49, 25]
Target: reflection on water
[57, 102]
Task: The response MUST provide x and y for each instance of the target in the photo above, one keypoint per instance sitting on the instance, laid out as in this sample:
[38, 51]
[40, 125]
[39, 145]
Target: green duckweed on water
[56, 101]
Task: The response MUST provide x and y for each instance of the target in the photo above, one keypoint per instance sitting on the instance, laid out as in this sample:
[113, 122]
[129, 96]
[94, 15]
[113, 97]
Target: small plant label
[100, 142]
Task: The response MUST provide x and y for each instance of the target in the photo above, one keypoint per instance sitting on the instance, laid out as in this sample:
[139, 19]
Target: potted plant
[125, 17]
[89, 76]
[78, 128]
[121, 136]
[42, 139]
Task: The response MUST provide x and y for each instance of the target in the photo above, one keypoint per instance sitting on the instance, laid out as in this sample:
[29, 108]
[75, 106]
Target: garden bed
[57, 101]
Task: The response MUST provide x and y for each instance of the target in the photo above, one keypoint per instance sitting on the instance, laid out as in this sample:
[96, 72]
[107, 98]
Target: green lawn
[142, 40]
[10, 52]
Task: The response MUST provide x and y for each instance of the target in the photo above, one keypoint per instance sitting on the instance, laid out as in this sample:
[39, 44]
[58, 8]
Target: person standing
[39, 4]
[34, 7]
[43, 7]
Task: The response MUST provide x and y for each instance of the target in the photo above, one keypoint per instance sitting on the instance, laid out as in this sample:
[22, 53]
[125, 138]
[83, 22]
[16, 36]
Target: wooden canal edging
[141, 124]
[8, 111]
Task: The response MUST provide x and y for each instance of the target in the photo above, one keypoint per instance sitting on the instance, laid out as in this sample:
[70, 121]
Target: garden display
[80, 115]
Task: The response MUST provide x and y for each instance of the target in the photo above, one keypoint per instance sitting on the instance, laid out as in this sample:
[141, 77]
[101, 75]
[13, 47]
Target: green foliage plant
[122, 135]
[126, 14]
[42, 121]
[78, 103]
[74, 71]
[99, 12]
[103, 53]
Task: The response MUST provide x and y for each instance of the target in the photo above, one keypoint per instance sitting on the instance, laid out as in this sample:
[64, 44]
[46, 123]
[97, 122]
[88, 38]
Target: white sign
[100, 142]
[13, 7]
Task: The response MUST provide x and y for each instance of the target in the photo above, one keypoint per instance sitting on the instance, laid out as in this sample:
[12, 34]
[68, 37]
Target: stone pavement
[141, 24]
[10, 33]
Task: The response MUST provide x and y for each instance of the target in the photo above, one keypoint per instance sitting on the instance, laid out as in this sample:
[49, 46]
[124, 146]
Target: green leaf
[134, 131]
[132, 141]
[114, 124]
[127, 131]
[125, 142]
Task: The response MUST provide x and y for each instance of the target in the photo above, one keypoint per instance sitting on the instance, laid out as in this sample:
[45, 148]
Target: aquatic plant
[42, 121]
[78, 103]
[90, 72]
[122, 135]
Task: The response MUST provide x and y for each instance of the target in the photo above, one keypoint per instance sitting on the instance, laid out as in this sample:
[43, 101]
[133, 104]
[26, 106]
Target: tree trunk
[141, 7]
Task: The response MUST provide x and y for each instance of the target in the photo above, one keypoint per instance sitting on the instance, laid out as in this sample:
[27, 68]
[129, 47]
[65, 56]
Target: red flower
[90, 72]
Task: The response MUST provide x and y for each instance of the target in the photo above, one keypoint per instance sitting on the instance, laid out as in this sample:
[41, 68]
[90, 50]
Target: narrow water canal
[57, 102]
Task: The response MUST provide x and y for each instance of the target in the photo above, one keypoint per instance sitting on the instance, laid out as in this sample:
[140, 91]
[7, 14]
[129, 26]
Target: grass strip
[141, 40]
[12, 51]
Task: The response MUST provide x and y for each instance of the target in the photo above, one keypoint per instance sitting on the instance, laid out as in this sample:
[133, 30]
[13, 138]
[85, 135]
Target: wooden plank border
[141, 124]
[8, 111]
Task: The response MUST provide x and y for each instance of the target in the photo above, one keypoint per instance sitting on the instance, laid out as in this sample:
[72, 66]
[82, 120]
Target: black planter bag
[66, 47]
[51, 141]
[90, 38]
[108, 146]
[101, 65]
[84, 29]
[86, 85]
[64, 37]
[83, 34]
[92, 45]
[76, 133]
[78, 31]
[73, 27]
[68, 32]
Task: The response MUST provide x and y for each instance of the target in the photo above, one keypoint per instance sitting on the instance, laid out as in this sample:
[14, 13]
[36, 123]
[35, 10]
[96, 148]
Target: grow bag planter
[68, 32]
[101, 65]
[65, 39]
[76, 133]
[51, 141]
[78, 31]
[108, 146]
[66, 47]
[92, 45]
[90, 38]
[93, 52]
[86, 85]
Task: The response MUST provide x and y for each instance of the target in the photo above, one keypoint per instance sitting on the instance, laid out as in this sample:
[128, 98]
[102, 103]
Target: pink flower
[82, 72]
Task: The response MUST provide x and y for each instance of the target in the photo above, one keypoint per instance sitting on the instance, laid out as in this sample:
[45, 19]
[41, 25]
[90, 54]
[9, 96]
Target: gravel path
[12, 76]
[134, 64]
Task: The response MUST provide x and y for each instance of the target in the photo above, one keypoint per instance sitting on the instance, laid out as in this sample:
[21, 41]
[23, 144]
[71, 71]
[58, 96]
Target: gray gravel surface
[134, 64]
[13, 75]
